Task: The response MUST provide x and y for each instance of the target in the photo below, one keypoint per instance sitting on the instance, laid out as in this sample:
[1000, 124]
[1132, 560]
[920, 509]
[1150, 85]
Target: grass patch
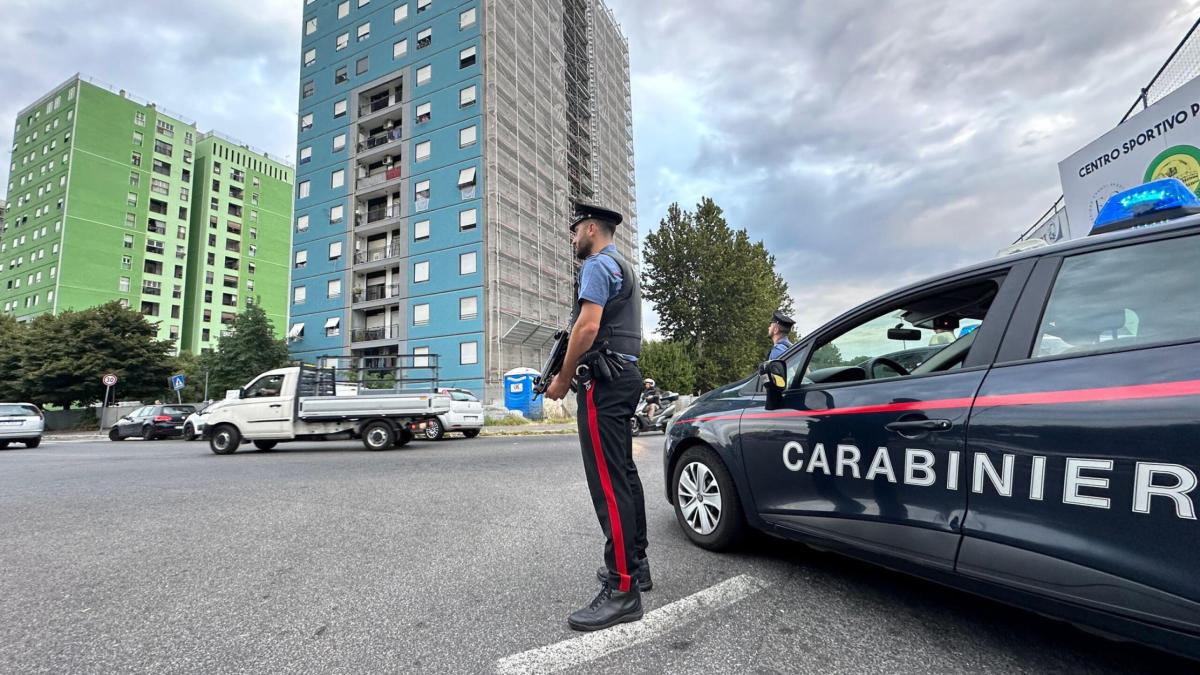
[506, 421]
[559, 420]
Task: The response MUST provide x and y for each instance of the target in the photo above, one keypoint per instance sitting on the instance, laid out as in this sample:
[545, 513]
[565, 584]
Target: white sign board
[1162, 141]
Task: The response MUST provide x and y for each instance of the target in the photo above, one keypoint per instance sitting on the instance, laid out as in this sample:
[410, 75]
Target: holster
[603, 364]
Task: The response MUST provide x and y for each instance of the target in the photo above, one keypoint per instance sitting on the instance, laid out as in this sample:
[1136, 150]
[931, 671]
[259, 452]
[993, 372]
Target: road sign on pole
[177, 383]
[109, 380]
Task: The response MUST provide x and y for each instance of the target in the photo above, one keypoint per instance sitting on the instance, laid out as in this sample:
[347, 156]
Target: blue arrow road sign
[177, 382]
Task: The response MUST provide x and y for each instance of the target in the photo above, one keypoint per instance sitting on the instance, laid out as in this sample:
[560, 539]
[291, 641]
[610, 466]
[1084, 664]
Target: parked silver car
[21, 423]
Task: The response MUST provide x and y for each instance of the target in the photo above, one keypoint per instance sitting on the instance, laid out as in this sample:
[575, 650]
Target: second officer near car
[781, 325]
[606, 340]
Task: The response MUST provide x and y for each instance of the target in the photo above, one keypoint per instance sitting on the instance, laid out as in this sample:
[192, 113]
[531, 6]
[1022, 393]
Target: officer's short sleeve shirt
[600, 278]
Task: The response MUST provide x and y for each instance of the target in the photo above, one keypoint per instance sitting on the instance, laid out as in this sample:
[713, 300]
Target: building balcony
[377, 215]
[377, 292]
[377, 178]
[377, 141]
[391, 332]
[376, 255]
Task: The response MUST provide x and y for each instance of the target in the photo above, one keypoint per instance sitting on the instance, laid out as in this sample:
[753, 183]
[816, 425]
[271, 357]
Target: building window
[420, 314]
[161, 187]
[123, 285]
[399, 48]
[333, 289]
[301, 259]
[310, 57]
[252, 251]
[423, 5]
[310, 26]
[421, 271]
[467, 136]
[424, 112]
[127, 261]
[137, 138]
[336, 213]
[297, 331]
[466, 263]
[466, 58]
[468, 353]
[424, 73]
[361, 65]
[342, 42]
[304, 189]
[307, 89]
[134, 179]
[339, 142]
[344, 9]
[333, 326]
[466, 96]
[468, 308]
[305, 155]
[467, 220]
[424, 38]
[423, 150]
[139, 118]
[421, 230]
[302, 223]
[340, 75]
[335, 250]
[136, 158]
[421, 194]
[466, 19]
[339, 108]
[466, 182]
[299, 295]
[400, 13]
[337, 179]
[306, 121]
[131, 199]
[364, 31]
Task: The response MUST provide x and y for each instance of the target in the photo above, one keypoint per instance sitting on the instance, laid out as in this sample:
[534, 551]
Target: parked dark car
[151, 422]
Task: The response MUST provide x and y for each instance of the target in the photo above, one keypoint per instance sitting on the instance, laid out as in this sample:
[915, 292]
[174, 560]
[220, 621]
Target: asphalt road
[448, 557]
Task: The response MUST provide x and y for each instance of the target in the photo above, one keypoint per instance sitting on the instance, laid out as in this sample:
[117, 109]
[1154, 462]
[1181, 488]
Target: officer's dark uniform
[607, 397]
[779, 348]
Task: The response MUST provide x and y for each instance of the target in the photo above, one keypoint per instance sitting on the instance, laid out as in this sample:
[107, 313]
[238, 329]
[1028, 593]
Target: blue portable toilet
[518, 392]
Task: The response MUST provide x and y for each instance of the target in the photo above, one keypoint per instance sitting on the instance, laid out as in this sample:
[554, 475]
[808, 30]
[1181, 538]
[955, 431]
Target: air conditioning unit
[387, 159]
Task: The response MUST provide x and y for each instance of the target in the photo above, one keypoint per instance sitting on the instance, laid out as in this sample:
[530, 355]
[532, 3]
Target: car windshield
[178, 410]
[18, 410]
[462, 396]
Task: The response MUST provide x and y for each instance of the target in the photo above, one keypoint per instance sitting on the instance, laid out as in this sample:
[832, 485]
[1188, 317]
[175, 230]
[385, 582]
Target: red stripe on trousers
[614, 517]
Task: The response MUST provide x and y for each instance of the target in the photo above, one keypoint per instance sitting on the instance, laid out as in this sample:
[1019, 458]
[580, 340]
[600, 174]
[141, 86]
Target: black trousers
[605, 409]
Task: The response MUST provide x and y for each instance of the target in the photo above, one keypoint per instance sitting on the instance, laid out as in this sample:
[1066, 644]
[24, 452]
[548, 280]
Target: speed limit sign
[109, 380]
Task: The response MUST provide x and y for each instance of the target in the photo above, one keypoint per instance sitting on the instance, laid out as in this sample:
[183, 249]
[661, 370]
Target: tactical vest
[621, 322]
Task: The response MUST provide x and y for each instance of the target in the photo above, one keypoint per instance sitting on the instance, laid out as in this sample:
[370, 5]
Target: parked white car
[193, 426]
[21, 423]
[466, 415]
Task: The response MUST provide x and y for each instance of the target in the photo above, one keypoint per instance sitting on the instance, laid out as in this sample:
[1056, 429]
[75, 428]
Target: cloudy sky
[867, 143]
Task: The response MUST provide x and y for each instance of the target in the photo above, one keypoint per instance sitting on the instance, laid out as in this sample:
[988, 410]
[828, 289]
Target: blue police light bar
[1154, 202]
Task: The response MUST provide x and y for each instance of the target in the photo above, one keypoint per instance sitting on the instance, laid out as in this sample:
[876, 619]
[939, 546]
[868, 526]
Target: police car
[1045, 456]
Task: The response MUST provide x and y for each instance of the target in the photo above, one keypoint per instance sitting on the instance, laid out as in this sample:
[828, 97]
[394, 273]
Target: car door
[131, 424]
[266, 411]
[873, 460]
[1090, 422]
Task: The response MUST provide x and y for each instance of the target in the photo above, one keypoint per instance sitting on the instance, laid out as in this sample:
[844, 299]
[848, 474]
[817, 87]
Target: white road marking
[591, 646]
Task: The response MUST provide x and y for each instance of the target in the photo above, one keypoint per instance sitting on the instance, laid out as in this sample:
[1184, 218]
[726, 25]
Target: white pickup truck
[303, 403]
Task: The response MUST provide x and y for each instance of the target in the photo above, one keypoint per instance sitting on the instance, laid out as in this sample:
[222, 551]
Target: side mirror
[904, 334]
[773, 376]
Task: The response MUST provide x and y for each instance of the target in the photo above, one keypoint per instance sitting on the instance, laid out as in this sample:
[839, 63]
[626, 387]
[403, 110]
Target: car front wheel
[114, 435]
[189, 433]
[224, 439]
[706, 500]
[470, 433]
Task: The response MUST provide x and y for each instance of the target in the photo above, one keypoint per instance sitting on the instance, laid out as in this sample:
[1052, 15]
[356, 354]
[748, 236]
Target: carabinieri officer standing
[781, 325]
[606, 340]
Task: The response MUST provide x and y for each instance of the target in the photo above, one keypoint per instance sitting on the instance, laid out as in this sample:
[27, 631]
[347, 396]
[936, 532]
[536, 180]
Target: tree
[247, 349]
[670, 365]
[65, 356]
[12, 340]
[714, 291]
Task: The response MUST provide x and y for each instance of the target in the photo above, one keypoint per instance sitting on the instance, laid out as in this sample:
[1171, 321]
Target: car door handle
[276, 405]
[918, 426]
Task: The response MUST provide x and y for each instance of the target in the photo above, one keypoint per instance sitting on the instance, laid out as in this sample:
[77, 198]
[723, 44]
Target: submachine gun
[553, 364]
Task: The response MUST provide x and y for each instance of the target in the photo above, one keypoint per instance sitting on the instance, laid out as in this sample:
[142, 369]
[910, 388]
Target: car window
[462, 396]
[1123, 297]
[928, 333]
[139, 412]
[269, 385]
[17, 409]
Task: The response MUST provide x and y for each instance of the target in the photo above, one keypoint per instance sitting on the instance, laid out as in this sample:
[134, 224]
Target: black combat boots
[642, 577]
[609, 608]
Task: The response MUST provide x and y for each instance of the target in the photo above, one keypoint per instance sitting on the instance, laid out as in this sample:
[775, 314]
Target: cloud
[873, 144]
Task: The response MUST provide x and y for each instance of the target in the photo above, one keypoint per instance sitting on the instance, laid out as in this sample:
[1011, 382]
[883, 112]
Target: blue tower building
[440, 143]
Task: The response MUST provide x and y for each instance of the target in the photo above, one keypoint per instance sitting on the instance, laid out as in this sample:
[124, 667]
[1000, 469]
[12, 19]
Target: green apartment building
[241, 239]
[105, 202]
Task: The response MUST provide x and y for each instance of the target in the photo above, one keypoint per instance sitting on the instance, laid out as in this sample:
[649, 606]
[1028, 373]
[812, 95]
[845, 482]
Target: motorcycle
[643, 423]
